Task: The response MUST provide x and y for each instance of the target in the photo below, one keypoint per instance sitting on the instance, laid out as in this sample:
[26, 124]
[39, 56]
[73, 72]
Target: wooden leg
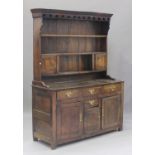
[120, 128]
[35, 139]
[53, 146]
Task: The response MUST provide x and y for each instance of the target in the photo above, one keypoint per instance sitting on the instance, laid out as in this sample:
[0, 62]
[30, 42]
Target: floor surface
[114, 143]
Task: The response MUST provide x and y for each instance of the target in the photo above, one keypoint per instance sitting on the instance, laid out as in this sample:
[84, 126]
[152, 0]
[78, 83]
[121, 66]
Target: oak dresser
[73, 98]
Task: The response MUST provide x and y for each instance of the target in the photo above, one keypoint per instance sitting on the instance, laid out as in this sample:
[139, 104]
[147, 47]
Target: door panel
[100, 61]
[91, 116]
[70, 120]
[48, 64]
[110, 111]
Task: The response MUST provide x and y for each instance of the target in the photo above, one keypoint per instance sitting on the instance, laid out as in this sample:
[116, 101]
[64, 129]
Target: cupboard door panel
[48, 65]
[92, 120]
[70, 120]
[110, 111]
[91, 116]
[100, 61]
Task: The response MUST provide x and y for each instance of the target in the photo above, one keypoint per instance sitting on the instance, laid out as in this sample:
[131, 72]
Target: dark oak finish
[73, 98]
[92, 116]
[110, 111]
[69, 120]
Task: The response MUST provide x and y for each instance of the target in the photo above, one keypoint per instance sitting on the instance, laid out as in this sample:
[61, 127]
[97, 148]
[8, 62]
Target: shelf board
[78, 83]
[72, 73]
[75, 53]
[67, 35]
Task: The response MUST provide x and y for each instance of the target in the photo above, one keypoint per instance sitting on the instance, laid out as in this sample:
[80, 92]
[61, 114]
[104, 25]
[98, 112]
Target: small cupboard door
[48, 64]
[91, 116]
[110, 111]
[69, 120]
[100, 61]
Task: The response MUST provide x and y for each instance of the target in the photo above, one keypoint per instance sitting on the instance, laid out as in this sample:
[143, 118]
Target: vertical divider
[57, 63]
[100, 110]
[106, 50]
[78, 32]
[93, 61]
[78, 62]
[78, 54]
[106, 44]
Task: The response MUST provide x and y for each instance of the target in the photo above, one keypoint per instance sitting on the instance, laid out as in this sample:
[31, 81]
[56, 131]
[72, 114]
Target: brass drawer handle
[92, 102]
[91, 91]
[112, 88]
[68, 93]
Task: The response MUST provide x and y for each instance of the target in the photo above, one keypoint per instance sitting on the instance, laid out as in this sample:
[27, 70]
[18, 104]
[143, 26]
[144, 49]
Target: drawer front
[68, 94]
[91, 103]
[91, 91]
[111, 89]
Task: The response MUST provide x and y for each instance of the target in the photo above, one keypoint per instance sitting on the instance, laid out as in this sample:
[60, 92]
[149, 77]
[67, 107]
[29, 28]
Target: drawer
[91, 91]
[91, 103]
[111, 89]
[68, 94]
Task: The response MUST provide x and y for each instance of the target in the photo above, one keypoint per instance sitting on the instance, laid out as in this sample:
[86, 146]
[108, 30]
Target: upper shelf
[72, 53]
[66, 35]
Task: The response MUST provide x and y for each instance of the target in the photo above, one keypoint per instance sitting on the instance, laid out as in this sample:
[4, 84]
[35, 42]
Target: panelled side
[42, 115]
[37, 23]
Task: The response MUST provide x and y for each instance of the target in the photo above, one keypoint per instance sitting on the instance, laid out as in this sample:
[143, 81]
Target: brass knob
[92, 102]
[91, 91]
[69, 93]
[113, 88]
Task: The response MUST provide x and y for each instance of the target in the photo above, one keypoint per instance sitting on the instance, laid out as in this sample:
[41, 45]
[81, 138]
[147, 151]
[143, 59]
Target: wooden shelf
[78, 83]
[75, 53]
[67, 35]
[72, 73]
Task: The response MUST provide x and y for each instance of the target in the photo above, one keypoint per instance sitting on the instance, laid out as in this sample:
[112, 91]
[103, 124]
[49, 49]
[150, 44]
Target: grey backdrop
[119, 40]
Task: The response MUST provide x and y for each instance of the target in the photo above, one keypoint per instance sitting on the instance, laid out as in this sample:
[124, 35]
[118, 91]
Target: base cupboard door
[91, 116]
[110, 111]
[69, 121]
